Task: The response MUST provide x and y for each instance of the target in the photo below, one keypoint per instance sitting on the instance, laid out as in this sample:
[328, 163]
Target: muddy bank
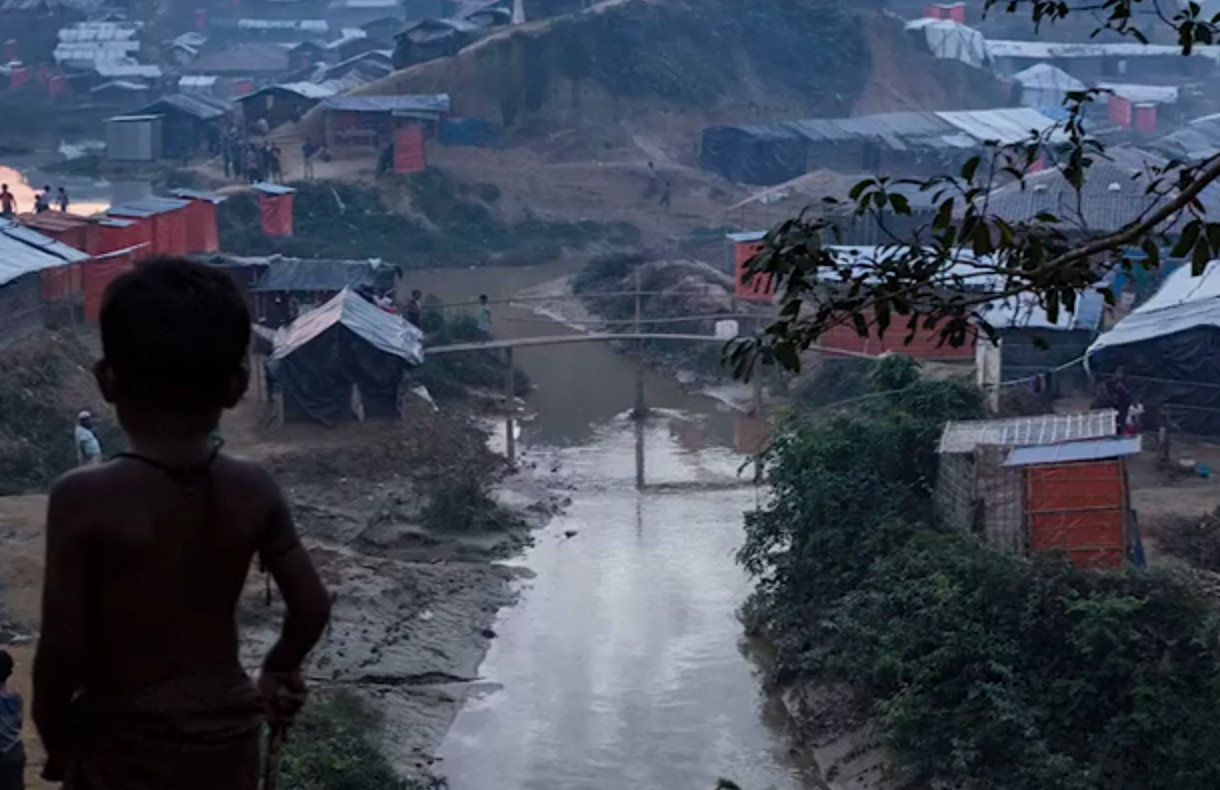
[414, 600]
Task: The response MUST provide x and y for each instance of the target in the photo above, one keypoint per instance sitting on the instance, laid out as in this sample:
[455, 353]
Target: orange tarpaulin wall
[1079, 508]
[409, 149]
[277, 214]
[138, 231]
[924, 345]
[201, 234]
[751, 289]
[97, 274]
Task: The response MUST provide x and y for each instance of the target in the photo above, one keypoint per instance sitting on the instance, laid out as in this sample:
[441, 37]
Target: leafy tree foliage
[986, 670]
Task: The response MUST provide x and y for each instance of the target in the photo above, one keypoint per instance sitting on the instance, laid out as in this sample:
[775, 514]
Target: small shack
[133, 138]
[163, 222]
[281, 104]
[1052, 481]
[289, 287]
[202, 232]
[430, 39]
[191, 124]
[343, 360]
[372, 120]
[39, 280]
[275, 208]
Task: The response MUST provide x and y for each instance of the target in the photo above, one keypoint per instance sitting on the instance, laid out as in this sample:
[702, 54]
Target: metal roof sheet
[195, 194]
[963, 436]
[748, 236]
[147, 207]
[384, 331]
[1047, 50]
[434, 103]
[267, 188]
[203, 107]
[306, 90]
[1007, 125]
[1071, 452]
[23, 251]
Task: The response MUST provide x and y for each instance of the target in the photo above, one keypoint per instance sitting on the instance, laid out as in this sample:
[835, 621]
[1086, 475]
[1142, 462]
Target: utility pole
[510, 441]
[641, 408]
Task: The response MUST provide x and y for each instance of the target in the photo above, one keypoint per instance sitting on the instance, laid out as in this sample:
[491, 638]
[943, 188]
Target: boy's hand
[284, 694]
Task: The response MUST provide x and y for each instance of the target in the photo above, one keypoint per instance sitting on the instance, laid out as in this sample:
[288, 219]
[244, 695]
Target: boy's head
[174, 338]
[6, 666]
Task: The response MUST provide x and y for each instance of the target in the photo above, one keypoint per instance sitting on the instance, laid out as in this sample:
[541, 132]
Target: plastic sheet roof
[306, 90]
[201, 106]
[1044, 75]
[385, 331]
[1198, 140]
[1024, 312]
[963, 436]
[1182, 302]
[1072, 452]
[1049, 50]
[267, 188]
[23, 251]
[147, 207]
[1143, 94]
[435, 103]
[308, 274]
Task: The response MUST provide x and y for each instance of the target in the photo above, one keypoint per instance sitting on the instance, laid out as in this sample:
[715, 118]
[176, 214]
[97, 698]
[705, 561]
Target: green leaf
[1186, 241]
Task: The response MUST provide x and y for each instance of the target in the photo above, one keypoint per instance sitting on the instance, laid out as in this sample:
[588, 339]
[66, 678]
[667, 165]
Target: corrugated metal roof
[306, 274]
[437, 103]
[127, 69]
[243, 59]
[147, 207]
[195, 194]
[749, 236]
[115, 222]
[306, 90]
[384, 331]
[965, 435]
[203, 107]
[196, 81]
[1071, 452]
[23, 251]
[267, 188]
[1008, 125]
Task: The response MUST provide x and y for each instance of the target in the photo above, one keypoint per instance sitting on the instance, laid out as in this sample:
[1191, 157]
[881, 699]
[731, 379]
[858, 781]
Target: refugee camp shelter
[191, 123]
[372, 120]
[202, 232]
[291, 286]
[899, 143]
[1044, 85]
[343, 360]
[283, 103]
[160, 223]
[1052, 481]
[429, 39]
[38, 277]
[1167, 345]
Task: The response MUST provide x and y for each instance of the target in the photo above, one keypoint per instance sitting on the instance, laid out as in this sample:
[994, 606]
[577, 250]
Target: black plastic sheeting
[310, 275]
[760, 155]
[1182, 369]
[345, 342]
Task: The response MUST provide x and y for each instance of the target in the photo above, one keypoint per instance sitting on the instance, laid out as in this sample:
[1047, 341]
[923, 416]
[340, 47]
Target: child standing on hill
[137, 683]
[12, 752]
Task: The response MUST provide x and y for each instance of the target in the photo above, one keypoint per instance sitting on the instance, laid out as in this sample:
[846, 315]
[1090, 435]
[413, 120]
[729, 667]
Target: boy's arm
[59, 662]
[305, 598]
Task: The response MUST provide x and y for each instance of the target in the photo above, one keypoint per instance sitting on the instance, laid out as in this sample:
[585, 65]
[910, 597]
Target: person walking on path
[88, 448]
[665, 194]
[12, 751]
[153, 549]
[484, 320]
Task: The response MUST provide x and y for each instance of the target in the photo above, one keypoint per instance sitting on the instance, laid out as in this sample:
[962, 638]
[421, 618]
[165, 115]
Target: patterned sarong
[195, 733]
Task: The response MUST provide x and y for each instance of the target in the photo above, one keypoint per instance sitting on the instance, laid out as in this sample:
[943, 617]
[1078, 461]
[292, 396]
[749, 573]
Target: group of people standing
[43, 201]
[249, 161]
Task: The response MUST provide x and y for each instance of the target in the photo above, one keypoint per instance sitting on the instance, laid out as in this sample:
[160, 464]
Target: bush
[332, 747]
[985, 670]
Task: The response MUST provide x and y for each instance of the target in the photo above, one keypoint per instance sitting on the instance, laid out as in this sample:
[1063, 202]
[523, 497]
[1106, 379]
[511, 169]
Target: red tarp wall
[277, 214]
[757, 289]
[1079, 508]
[97, 275]
[924, 345]
[409, 149]
[201, 235]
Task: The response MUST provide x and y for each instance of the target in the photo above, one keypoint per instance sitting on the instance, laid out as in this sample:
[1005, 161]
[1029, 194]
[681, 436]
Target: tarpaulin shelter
[119, 233]
[71, 229]
[288, 286]
[99, 272]
[275, 208]
[409, 155]
[36, 273]
[201, 230]
[764, 155]
[166, 218]
[1077, 498]
[371, 120]
[1167, 347]
[1044, 85]
[343, 351]
[1030, 483]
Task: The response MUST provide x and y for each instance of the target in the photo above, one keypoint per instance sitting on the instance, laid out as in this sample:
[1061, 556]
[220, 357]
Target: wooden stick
[275, 752]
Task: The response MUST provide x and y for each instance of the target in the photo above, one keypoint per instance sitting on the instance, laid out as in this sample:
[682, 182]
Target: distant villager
[61, 199]
[8, 203]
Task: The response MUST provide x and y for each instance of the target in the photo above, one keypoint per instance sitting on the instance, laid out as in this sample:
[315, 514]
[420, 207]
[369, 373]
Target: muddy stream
[622, 666]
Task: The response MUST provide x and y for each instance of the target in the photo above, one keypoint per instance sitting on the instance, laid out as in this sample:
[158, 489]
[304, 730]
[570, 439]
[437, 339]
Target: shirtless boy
[137, 683]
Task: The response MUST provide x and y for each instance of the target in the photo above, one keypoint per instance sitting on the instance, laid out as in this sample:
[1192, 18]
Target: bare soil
[413, 608]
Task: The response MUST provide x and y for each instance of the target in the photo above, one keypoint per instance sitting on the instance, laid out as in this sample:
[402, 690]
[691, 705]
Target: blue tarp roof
[1070, 452]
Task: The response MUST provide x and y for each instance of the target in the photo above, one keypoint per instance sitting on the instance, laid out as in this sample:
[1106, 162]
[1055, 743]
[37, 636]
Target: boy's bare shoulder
[251, 476]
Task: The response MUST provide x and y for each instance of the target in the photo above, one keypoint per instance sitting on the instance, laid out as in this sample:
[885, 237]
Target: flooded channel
[622, 666]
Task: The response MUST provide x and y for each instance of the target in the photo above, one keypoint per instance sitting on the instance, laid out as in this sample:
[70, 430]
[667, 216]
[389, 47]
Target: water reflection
[622, 667]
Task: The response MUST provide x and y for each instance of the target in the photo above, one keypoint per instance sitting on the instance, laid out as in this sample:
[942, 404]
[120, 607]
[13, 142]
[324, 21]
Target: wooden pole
[641, 408]
[639, 454]
[510, 441]
[757, 410]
